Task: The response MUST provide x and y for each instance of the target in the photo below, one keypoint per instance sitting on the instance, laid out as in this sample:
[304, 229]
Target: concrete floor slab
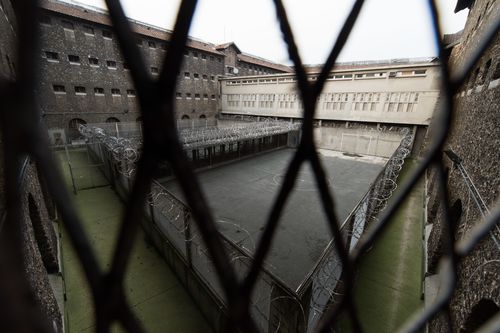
[242, 193]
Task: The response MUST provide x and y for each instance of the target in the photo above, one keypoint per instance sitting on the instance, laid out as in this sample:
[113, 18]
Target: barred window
[59, 88]
[80, 90]
[52, 56]
[74, 59]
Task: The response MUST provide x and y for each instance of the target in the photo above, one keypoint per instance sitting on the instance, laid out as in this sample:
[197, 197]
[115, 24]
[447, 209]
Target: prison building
[85, 79]
[359, 101]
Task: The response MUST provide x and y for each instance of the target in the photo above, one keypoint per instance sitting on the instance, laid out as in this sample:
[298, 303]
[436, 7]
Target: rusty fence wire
[25, 136]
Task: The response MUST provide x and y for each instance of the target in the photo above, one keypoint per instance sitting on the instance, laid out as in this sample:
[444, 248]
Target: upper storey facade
[399, 92]
[85, 78]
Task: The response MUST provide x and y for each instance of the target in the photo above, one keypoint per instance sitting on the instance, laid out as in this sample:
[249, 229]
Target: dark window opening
[94, 61]
[73, 59]
[154, 70]
[111, 63]
[152, 45]
[68, 25]
[107, 34]
[99, 91]
[88, 30]
[115, 92]
[52, 55]
[112, 120]
[59, 88]
[131, 92]
[80, 90]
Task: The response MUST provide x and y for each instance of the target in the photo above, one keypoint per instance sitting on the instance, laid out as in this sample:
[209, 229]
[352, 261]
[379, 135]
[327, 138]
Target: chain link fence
[242, 289]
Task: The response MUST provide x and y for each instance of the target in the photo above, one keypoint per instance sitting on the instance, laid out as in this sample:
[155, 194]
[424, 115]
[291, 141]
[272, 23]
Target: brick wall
[475, 138]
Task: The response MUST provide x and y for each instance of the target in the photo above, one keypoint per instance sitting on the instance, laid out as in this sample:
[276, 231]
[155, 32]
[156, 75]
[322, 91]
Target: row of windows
[201, 55]
[179, 95]
[251, 67]
[107, 34]
[478, 77]
[196, 76]
[81, 90]
[370, 75]
[93, 61]
[394, 101]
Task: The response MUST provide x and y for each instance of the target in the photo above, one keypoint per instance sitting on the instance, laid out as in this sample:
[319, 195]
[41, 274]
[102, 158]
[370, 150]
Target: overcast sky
[386, 28]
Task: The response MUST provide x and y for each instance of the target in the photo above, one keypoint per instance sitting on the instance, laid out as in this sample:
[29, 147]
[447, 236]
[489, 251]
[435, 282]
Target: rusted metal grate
[24, 136]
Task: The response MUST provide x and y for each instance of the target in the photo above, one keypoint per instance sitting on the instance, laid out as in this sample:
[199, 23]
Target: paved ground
[389, 281]
[242, 193]
[157, 297]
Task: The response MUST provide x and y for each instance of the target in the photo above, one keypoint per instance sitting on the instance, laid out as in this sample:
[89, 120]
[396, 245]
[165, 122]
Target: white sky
[386, 28]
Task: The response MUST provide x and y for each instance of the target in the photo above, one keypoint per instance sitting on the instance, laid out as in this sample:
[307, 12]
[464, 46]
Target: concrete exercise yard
[155, 294]
[242, 193]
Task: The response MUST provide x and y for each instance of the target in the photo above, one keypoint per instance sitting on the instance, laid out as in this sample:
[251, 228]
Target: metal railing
[23, 134]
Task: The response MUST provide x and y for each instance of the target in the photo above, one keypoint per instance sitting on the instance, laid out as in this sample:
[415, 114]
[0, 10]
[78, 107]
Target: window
[154, 70]
[178, 95]
[111, 64]
[212, 58]
[80, 90]
[107, 34]
[196, 75]
[163, 46]
[197, 96]
[212, 97]
[188, 95]
[125, 66]
[186, 75]
[112, 120]
[485, 71]
[115, 92]
[73, 59]
[59, 89]
[204, 56]
[68, 25]
[99, 91]
[152, 45]
[420, 72]
[219, 59]
[496, 73]
[88, 30]
[138, 41]
[186, 53]
[45, 20]
[205, 77]
[203, 116]
[52, 56]
[212, 77]
[195, 54]
[94, 62]
[205, 96]
[131, 93]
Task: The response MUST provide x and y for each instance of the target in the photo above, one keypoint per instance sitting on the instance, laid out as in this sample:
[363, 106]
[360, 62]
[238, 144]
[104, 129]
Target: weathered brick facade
[40, 253]
[475, 138]
[85, 79]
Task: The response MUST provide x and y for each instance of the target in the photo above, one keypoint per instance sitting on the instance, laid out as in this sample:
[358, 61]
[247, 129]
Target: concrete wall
[475, 138]
[364, 140]
[395, 94]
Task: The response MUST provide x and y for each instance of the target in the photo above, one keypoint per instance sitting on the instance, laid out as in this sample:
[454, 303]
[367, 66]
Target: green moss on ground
[156, 296]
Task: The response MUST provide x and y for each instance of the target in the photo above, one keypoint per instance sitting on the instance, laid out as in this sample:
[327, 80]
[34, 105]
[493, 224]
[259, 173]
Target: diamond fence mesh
[240, 282]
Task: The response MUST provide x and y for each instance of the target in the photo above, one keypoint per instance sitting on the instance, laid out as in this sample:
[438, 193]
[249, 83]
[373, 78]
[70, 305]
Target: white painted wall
[277, 96]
